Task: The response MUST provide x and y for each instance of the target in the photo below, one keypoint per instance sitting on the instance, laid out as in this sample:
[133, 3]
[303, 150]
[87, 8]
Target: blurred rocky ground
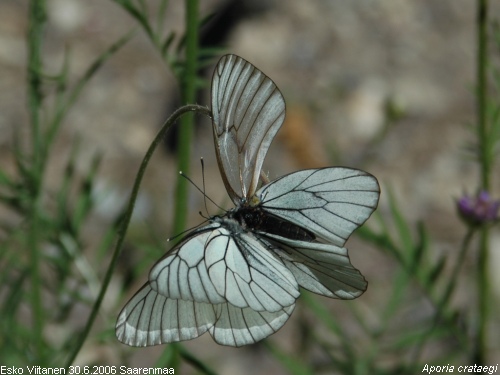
[382, 85]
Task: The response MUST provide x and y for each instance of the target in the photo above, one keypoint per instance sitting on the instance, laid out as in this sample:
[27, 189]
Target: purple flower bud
[478, 210]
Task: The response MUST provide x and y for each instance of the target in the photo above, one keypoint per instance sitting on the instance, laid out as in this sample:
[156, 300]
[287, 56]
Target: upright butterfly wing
[247, 112]
[329, 202]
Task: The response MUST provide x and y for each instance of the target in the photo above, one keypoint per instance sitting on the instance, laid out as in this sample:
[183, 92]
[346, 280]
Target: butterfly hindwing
[182, 273]
[221, 265]
[321, 268]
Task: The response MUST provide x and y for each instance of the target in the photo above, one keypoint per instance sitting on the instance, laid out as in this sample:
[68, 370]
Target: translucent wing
[247, 112]
[321, 268]
[152, 319]
[329, 202]
[221, 263]
[219, 279]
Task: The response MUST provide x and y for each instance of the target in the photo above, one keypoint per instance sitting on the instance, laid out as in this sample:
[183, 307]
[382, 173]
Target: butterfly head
[252, 202]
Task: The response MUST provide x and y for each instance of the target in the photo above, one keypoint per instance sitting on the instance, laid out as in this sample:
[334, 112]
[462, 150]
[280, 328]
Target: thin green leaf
[161, 15]
[294, 365]
[419, 250]
[139, 17]
[436, 271]
[193, 360]
[5, 179]
[81, 83]
[210, 53]
[85, 201]
[402, 226]
[167, 43]
[328, 320]
[206, 19]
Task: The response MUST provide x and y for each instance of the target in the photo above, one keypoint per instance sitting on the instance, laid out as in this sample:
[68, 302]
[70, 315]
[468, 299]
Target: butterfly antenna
[203, 179]
[202, 161]
[197, 188]
[186, 231]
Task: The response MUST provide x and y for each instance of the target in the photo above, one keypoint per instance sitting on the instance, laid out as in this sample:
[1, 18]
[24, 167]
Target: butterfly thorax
[255, 218]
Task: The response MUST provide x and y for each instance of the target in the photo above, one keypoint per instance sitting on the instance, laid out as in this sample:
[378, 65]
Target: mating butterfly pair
[238, 276]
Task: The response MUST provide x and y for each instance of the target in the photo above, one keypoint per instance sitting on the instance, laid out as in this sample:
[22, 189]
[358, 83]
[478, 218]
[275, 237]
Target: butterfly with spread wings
[238, 276]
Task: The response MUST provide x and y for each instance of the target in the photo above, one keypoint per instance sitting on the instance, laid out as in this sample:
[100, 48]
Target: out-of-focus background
[385, 86]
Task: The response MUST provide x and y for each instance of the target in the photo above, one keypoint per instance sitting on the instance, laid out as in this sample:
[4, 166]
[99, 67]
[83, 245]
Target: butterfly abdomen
[255, 219]
[274, 225]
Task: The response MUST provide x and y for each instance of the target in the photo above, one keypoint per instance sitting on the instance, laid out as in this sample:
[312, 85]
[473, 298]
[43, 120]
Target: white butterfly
[238, 277]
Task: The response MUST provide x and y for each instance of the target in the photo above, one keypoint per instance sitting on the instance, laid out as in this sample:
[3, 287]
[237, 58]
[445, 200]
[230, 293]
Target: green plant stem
[35, 96]
[482, 96]
[441, 303]
[126, 220]
[482, 92]
[37, 20]
[189, 83]
[483, 296]
[456, 269]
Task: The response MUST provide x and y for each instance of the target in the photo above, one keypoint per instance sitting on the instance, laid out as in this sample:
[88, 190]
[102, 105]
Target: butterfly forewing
[152, 319]
[247, 112]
